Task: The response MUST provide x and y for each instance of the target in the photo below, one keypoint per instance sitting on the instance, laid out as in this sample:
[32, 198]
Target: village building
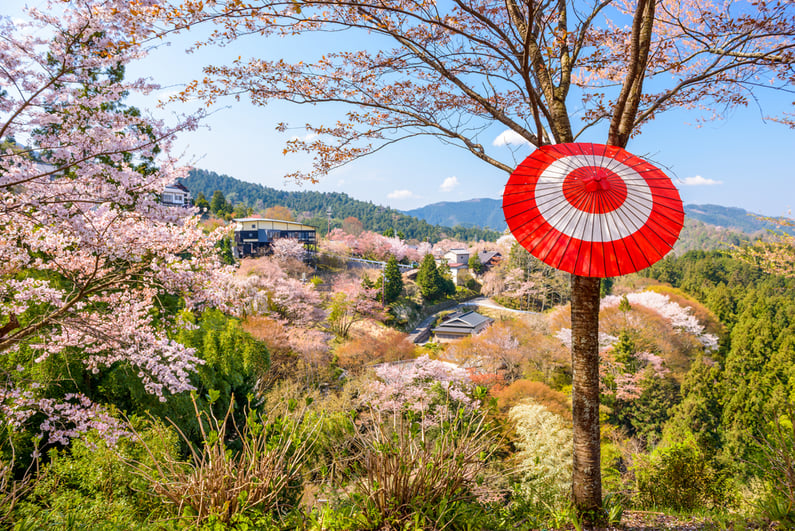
[460, 325]
[254, 236]
[175, 194]
[489, 259]
[457, 260]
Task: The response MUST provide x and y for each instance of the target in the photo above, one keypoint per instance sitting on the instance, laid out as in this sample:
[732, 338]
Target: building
[457, 260]
[253, 236]
[489, 259]
[175, 194]
[462, 325]
[456, 256]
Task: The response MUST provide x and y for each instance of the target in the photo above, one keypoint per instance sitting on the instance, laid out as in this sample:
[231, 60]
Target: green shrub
[92, 485]
[678, 477]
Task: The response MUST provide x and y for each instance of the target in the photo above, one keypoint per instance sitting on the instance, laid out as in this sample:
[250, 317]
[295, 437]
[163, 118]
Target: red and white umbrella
[592, 210]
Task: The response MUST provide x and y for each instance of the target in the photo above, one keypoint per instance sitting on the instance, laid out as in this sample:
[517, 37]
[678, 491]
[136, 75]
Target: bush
[545, 452]
[678, 477]
[540, 393]
[361, 351]
[408, 475]
[221, 486]
[92, 485]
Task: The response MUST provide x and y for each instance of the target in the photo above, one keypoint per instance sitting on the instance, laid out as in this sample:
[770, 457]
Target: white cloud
[449, 184]
[306, 138]
[509, 137]
[400, 194]
[340, 182]
[698, 180]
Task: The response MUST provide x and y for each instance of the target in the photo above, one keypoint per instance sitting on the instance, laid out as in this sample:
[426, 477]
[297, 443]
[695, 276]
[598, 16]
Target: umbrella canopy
[592, 210]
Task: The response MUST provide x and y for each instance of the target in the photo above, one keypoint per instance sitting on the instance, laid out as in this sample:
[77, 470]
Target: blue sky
[741, 161]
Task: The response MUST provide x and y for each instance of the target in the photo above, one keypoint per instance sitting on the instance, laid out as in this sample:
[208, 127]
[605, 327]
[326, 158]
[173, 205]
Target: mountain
[311, 207]
[483, 212]
[733, 218]
[706, 227]
[486, 212]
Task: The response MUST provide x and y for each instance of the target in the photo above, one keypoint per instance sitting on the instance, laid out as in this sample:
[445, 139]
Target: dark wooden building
[254, 236]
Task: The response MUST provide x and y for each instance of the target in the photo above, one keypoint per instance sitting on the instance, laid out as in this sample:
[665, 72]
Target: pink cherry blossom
[88, 250]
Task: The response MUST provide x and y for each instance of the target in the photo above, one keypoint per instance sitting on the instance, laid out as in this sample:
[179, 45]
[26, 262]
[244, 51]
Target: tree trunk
[586, 481]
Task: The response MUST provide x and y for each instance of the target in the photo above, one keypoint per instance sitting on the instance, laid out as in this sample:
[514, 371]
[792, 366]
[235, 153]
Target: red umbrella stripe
[592, 210]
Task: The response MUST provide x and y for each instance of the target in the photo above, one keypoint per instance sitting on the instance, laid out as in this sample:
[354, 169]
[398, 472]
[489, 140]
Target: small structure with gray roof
[462, 325]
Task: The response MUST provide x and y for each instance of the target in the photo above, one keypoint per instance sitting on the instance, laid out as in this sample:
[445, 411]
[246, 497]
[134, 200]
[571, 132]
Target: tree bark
[586, 481]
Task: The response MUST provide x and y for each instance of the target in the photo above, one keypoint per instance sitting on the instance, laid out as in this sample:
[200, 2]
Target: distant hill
[483, 212]
[707, 226]
[486, 212]
[310, 207]
[731, 217]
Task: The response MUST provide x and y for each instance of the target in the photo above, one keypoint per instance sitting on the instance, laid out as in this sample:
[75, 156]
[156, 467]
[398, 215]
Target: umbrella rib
[632, 210]
[591, 215]
[660, 213]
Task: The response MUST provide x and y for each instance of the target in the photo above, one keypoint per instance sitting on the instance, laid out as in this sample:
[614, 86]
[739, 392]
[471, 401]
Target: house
[175, 194]
[253, 236]
[456, 256]
[489, 258]
[462, 325]
[457, 260]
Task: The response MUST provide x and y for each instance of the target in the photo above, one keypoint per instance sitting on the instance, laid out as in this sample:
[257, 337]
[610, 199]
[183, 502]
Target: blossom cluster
[369, 245]
[65, 418]
[263, 287]
[679, 317]
[627, 381]
[605, 340]
[88, 251]
[422, 386]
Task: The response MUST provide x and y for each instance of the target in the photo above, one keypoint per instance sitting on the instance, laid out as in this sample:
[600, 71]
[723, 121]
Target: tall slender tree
[393, 281]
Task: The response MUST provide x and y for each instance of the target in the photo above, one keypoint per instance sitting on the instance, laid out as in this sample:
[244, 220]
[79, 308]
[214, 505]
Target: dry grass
[407, 471]
[219, 483]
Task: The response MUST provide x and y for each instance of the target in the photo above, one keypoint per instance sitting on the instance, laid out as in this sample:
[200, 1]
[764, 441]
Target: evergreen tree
[475, 264]
[218, 203]
[393, 281]
[429, 280]
[202, 203]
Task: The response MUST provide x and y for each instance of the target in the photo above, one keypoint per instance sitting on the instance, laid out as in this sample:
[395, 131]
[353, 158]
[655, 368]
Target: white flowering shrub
[545, 451]
[679, 317]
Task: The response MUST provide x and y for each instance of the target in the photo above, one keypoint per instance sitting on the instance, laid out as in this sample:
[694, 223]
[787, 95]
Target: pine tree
[218, 203]
[393, 281]
[428, 279]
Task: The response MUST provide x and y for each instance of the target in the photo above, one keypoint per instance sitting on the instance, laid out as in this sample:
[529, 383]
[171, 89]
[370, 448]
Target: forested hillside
[481, 212]
[311, 207]
[730, 401]
[485, 212]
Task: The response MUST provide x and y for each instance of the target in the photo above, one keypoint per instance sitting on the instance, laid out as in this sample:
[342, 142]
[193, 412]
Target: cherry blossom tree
[288, 248]
[350, 304]
[455, 69]
[88, 252]
[262, 287]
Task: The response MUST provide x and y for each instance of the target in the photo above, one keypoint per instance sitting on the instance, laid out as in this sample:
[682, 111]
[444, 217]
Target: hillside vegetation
[311, 208]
